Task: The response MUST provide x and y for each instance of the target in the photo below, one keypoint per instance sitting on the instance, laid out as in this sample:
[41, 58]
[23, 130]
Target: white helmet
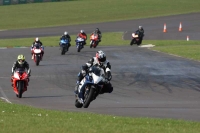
[65, 33]
[82, 31]
[37, 39]
[140, 27]
[101, 57]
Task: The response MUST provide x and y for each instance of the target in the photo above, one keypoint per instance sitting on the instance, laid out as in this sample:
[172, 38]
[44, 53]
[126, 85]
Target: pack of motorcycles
[92, 83]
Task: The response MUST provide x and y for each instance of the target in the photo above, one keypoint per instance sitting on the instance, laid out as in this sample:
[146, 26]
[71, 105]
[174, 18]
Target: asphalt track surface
[146, 83]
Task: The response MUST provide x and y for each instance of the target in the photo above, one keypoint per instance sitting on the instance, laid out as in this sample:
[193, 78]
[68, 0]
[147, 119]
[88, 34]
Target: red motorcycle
[37, 54]
[94, 40]
[19, 82]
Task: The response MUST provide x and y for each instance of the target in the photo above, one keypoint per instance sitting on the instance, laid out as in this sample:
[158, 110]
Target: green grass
[26, 119]
[187, 49]
[53, 41]
[89, 11]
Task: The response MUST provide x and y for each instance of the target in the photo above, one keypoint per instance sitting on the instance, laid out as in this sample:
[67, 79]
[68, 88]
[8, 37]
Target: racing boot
[80, 100]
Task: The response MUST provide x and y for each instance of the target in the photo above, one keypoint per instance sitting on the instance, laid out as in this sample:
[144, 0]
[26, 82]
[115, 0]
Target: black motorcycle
[136, 39]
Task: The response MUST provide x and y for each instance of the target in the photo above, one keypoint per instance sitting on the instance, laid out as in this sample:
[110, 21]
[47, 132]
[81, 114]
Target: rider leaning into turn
[97, 31]
[99, 60]
[21, 63]
[140, 33]
[36, 42]
[66, 36]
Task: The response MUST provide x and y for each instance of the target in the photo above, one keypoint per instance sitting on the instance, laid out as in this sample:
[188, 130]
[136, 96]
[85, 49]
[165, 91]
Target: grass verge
[187, 49]
[89, 11]
[25, 119]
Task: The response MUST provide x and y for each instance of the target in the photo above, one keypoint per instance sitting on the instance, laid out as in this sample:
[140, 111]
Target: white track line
[4, 96]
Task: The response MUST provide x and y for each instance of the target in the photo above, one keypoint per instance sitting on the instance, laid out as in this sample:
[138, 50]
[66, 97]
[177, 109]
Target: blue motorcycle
[79, 43]
[64, 46]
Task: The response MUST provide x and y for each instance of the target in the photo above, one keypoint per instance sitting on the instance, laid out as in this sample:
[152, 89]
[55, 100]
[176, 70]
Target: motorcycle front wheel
[37, 60]
[20, 88]
[88, 97]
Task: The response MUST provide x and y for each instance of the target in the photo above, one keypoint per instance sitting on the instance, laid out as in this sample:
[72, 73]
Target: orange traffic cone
[188, 38]
[180, 27]
[165, 28]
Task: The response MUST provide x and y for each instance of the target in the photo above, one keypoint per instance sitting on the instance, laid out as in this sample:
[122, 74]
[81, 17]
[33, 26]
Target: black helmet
[97, 29]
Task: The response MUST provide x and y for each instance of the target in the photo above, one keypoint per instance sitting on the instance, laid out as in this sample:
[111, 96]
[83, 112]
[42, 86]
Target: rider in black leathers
[36, 42]
[140, 33]
[97, 31]
[66, 36]
[21, 63]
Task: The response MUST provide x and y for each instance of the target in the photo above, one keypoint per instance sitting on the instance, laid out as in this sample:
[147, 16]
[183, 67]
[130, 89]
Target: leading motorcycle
[91, 86]
[19, 82]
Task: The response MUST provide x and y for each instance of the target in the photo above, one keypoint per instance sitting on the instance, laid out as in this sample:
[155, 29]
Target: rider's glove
[77, 82]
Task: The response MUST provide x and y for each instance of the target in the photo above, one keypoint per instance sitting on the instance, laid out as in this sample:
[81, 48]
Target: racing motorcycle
[64, 46]
[79, 43]
[94, 40]
[20, 82]
[135, 39]
[37, 54]
[92, 85]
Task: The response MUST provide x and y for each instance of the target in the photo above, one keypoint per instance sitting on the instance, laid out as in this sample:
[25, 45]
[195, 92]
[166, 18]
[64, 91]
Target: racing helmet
[37, 39]
[97, 30]
[65, 33]
[140, 28]
[21, 59]
[101, 57]
[82, 31]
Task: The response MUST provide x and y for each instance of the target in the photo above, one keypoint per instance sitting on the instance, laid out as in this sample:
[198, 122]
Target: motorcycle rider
[99, 60]
[66, 36]
[82, 34]
[140, 33]
[97, 31]
[37, 42]
[22, 64]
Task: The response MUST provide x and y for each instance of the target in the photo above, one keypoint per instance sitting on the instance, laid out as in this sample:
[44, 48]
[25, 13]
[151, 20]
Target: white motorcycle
[37, 54]
[90, 86]
[79, 43]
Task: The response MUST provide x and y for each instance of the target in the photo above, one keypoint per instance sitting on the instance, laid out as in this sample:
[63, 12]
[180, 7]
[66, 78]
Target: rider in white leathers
[99, 60]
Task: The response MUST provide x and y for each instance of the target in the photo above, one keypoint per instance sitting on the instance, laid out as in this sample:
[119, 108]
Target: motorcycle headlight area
[96, 78]
[37, 51]
[16, 76]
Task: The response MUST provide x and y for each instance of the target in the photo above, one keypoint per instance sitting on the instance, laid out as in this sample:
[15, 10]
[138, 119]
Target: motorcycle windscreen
[64, 41]
[96, 78]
